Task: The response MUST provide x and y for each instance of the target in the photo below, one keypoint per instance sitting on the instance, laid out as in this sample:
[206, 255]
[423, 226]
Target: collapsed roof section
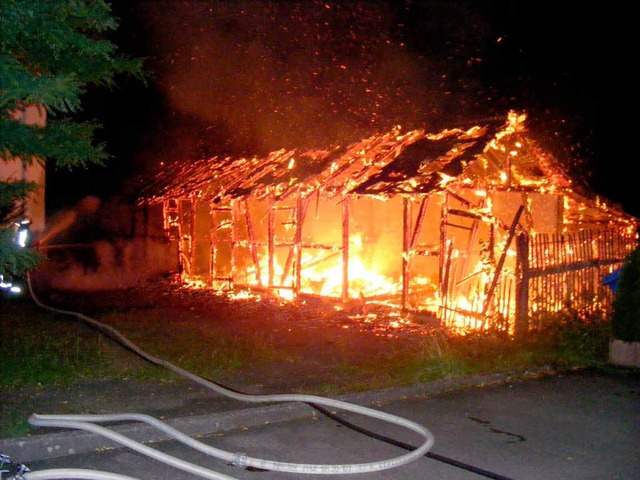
[493, 157]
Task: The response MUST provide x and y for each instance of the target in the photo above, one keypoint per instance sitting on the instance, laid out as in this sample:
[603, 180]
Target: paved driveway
[572, 426]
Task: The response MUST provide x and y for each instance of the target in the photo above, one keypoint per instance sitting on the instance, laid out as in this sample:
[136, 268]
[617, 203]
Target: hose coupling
[239, 460]
[10, 470]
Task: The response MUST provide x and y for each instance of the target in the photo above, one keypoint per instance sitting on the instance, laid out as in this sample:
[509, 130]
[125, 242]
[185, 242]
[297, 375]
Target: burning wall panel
[201, 250]
[322, 246]
[543, 212]
[375, 247]
[221, 245]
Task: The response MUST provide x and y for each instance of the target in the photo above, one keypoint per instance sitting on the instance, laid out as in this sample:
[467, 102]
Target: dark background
[234, 77]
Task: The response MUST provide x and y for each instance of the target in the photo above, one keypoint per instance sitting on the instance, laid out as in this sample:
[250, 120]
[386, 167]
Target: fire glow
[423, 222]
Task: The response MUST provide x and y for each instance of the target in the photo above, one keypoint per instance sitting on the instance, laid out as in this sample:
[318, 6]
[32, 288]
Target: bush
[625, 319]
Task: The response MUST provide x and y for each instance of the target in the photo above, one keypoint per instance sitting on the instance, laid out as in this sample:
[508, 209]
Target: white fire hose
[87, 423]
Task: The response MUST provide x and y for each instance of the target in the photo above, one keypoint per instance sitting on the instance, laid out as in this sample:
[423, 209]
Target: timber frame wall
[554, 272]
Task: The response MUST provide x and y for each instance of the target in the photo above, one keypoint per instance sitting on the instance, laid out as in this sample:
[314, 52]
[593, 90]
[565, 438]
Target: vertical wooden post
[500, 264]
[213, 243]
[290, 255]
[444, 214]
[297, 244]
[345, 248]
[521, 324]
[422, 211]
[184, 267]
[560, 214]
[253, 242]
[192, 236]
[234, 240]
[406, 248]
[166, 224]
[271, 232]
[445, 303]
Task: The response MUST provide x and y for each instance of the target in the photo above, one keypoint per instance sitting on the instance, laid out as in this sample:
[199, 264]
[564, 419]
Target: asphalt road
[582, 425]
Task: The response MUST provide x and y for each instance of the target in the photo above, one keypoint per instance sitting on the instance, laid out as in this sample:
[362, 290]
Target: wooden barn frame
[464, 224]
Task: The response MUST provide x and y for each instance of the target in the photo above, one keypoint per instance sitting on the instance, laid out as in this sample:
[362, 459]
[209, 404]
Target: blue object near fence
[612, 279]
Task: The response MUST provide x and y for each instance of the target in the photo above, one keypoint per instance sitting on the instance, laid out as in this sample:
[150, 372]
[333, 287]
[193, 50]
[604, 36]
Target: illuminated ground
[318, 346]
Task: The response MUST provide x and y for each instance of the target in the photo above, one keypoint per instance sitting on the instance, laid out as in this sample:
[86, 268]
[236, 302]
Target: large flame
[459, 264]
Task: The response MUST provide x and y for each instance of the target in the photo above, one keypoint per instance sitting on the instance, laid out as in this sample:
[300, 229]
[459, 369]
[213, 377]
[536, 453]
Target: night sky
[249, 77]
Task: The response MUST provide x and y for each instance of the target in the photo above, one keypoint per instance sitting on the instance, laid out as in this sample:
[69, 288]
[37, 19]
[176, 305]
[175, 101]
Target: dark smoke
[252, 77]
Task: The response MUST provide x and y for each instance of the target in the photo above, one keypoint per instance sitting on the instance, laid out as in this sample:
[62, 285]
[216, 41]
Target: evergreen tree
[50, 52]
[625, 323]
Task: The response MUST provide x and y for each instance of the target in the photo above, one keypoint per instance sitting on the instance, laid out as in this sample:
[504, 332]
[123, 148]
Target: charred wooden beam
[466, 213]
[271, 250]
[234, 238]
[443, 242]
[252, 241]
[345, 248]
[193, 217]
[319, 260]
[456, 225]
[406, 247]
[500, 264]
[422, 211]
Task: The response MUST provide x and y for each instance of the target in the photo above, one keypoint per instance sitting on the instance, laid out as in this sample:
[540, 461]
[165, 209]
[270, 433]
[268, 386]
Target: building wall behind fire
[543, 212]
[30, 170]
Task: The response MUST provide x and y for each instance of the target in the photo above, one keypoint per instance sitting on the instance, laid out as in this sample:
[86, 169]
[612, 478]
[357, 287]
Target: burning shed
[478, 227]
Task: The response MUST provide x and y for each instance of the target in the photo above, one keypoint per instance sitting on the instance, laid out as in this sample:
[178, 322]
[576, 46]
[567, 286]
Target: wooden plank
[445, 299]
[253, 247]
[444, 242]
[192, 235]
[422, 211]
[500, 264]
[345, 248]
[271, 234]
[234, 240]
[523, 284]
[407, 239]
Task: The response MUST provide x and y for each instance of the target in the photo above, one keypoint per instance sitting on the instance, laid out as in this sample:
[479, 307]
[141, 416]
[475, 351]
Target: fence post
[521, 325]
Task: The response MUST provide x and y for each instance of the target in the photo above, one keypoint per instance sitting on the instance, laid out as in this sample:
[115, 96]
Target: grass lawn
[40, 348]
